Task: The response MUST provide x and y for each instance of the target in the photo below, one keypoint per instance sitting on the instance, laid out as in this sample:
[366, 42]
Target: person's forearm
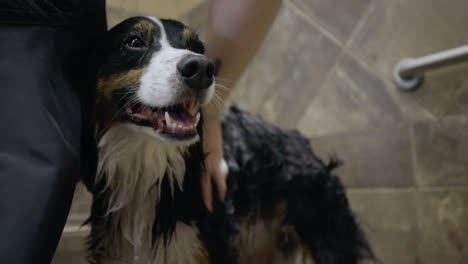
[236, 30]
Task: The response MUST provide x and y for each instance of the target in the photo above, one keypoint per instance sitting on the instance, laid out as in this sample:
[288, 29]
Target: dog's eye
[135, 43]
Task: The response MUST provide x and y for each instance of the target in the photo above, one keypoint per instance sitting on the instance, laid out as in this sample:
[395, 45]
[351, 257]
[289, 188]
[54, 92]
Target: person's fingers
[220, 179]
[220, 184]
[207, 190]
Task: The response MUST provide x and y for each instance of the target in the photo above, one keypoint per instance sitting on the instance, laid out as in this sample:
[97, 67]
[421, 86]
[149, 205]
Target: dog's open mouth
[176, 121]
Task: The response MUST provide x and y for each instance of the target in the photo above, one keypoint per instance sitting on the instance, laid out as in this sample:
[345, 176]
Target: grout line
[360, 24]
[388, 79]
[419, 217]
[367, 67]
[456, 93]
[75, 230]
[321, 86]
[345, 46]
[317, 25]
[359, 132]
[414, 158]
[327, 35]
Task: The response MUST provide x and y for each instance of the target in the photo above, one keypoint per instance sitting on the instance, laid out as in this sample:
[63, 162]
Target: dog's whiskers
[121, 110]
[217, 101]
[224, 80]
[222, 87]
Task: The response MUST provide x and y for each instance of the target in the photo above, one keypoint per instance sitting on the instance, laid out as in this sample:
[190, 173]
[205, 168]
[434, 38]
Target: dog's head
[155, 77]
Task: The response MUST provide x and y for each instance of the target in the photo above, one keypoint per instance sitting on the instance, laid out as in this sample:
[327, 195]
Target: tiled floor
[325, 68]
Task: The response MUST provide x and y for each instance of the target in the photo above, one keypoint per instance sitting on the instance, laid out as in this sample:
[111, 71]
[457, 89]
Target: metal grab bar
[409, 73]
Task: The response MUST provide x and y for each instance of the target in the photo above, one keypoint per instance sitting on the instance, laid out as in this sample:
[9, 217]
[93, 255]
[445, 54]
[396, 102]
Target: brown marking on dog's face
[107, 86]
[190, 35]
[139, 80]
[145, 27]
[191, 39]
[106, 109]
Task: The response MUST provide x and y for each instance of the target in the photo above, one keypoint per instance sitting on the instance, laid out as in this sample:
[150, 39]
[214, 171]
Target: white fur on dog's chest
[133, 166]
[184, 247]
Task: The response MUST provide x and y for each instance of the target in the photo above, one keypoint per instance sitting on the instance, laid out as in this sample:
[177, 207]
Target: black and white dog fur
[283, 205]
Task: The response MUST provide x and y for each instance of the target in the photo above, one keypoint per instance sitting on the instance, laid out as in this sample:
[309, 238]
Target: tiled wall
[325, 68]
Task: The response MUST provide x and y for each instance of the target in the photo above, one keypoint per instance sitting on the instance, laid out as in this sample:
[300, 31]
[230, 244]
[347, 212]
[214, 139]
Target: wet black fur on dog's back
[269, 165]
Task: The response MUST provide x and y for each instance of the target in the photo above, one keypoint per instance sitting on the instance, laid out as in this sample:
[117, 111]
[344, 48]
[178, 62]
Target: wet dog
[284, 205]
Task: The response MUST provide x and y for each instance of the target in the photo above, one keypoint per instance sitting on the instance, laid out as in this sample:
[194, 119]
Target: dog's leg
[321, 215]
[219, 230]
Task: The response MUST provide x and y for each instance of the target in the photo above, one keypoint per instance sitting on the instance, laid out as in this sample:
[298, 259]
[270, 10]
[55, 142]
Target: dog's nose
[196, 71]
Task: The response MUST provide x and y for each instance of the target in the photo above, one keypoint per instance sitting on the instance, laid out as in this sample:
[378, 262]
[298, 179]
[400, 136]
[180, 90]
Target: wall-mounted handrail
[409, 73]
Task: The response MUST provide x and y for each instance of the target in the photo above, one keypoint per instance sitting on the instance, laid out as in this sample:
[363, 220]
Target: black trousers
[46, 83]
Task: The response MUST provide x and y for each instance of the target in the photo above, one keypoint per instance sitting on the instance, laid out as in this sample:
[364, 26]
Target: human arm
[235, 32]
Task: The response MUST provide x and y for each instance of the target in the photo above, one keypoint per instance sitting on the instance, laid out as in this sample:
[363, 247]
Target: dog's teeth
[168, 119]
[198, 118]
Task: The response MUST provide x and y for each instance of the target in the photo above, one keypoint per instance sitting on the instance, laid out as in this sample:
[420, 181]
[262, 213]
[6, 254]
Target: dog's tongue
[182, 117]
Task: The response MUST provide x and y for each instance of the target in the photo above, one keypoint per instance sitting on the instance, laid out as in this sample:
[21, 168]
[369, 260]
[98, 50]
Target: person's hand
[215, 167]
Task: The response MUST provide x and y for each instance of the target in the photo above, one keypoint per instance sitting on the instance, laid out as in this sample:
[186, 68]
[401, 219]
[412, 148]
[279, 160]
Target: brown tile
[390, 222]
[443, 91]
[443, 220]
[131, 5]
[168, 8]
[409, 103]
[400, 29]
[116, 15]
[81, 200]
[338, 17]
[197, 18]
[351, 99]
[114, 3]
[288, 69]
[441, 150]
[459, 105]
[372, 158]
[118, 10]
[71, 250]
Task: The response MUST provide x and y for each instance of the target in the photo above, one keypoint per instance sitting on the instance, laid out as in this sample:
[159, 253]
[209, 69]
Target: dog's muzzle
[197, 71]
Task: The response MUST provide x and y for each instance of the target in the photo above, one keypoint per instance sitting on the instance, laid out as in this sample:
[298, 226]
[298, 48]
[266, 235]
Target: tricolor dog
[283, 205]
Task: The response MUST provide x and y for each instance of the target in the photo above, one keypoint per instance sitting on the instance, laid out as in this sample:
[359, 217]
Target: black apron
[47, 81]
